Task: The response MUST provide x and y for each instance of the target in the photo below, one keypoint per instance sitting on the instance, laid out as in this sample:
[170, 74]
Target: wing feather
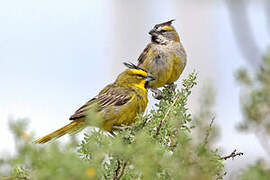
[143, 55]
[114, 96]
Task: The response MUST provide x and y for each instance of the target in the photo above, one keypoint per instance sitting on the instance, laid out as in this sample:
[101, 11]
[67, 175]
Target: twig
[116, 172]
[208, 131]
[166, 115]
[119, 172]
[122, 171]
[232, 155]
[146, 121]
[129, 127]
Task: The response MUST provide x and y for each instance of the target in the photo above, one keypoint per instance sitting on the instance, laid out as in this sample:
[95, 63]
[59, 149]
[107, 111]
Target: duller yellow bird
[164, 57]
[117, 104]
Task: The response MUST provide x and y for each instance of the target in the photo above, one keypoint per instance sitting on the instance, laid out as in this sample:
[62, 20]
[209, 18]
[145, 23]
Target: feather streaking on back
[117, 104]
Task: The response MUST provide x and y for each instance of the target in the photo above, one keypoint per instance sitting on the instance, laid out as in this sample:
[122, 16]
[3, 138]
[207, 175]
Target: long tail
[72, 127]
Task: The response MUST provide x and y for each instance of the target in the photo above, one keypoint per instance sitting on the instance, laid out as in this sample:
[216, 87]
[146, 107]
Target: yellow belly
[177, 70]
[165, 71]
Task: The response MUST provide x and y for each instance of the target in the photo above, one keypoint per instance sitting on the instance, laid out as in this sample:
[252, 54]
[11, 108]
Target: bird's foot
[171, 87]
[157, 94]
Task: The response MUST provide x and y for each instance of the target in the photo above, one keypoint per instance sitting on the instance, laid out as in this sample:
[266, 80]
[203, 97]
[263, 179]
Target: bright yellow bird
[164, 57]
[117, 104]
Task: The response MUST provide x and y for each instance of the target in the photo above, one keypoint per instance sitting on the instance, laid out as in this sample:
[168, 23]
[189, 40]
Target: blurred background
[55, 55]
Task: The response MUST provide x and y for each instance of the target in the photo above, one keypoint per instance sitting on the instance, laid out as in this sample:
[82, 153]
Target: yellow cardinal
[117, 104]
[164, 57]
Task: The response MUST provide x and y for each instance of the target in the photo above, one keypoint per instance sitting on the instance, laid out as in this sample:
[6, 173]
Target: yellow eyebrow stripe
[138, 71]
[167, 28]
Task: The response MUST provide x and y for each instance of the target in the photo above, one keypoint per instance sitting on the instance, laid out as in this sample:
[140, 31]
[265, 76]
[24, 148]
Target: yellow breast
[177, 69]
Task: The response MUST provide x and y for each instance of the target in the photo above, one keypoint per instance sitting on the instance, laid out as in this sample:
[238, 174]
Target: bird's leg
[157, 93]
[171, 87]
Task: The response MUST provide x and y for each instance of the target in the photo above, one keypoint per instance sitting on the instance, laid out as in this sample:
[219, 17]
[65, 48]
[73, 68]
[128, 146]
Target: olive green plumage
[117, 104]
[164, 57]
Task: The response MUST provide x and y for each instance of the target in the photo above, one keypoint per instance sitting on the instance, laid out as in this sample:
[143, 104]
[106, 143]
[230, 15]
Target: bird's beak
[154, 36]
[153, 32]
[149, 78]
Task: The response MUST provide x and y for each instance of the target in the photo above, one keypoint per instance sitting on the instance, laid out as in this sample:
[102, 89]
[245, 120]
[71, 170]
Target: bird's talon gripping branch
[171, 87]
[157, 94]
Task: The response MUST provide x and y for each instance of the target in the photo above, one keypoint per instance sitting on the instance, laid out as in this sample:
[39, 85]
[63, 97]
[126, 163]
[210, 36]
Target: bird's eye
[139, 75]
[162, 31]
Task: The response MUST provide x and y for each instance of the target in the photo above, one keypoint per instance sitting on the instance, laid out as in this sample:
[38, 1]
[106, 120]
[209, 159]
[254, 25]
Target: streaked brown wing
[143, 55]
[113, 96]
[81, 111]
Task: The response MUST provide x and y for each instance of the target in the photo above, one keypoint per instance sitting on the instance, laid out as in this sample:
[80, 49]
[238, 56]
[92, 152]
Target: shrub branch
[166, 115]
[232, 155]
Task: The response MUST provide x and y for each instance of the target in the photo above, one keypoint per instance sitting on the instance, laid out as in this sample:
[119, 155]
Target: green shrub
[158, 146]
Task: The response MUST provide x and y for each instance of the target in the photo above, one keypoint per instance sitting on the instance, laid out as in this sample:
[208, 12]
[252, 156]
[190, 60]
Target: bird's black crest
[132, 66]
[168, 23]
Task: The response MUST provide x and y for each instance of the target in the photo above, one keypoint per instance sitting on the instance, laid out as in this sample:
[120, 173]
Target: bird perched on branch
[164, 57]
[117, 104]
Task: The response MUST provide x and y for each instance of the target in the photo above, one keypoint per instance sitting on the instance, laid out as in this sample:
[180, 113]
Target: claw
[171, 87]
[157, 94]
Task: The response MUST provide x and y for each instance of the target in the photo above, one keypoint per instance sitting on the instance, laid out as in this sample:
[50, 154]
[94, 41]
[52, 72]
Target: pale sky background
[56, 55]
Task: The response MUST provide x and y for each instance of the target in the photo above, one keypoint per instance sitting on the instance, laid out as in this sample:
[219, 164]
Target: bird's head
[134, 76]
[164, 33]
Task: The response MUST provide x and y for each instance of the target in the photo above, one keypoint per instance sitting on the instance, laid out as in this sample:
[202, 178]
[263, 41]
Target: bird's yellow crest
[138, 71]
[168, 28]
